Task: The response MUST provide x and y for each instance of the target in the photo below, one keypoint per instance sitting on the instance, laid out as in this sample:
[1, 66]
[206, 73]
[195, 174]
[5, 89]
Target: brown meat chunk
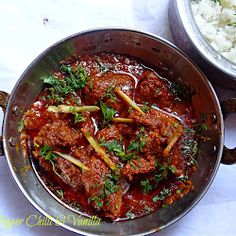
[69, 173]
[100, 85]
[152, 88]
[110, 133]
[45, 164]
[93, 180]
[34, 119]
[113, 205]
[138, 166]
[87, 124]
[154, 143]
[58, 134]
[82, 153]
[153, 119]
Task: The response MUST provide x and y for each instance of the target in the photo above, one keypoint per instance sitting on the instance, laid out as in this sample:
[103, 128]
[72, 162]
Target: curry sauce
[112, 137]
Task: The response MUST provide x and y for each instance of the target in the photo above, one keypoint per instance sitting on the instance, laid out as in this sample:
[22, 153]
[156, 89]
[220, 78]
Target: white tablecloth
[27, 28]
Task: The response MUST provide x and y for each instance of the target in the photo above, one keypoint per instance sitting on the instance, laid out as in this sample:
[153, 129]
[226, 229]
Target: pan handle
[3, 104]
[229, 155]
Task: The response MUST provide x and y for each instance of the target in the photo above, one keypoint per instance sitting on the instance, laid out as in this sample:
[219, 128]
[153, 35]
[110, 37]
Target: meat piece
[170, 129]
[87, 124]
[154, 118]
[82, 153]
[110, 133]
[57, 134]
[124, 129]
[34, 119]
[45, 164]
[98, 87]
[113, 204]
[138, 166]
[70, 174]
[93, 180]
[154, 143]
[151, 89]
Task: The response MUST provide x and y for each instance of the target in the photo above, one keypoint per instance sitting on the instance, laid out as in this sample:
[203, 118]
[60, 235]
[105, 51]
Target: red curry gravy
[127, 126]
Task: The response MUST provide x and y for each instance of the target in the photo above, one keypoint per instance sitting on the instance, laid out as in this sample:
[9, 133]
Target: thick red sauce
[146, 178]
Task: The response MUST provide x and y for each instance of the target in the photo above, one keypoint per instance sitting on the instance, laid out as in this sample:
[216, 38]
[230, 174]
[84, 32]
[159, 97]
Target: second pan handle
[229, 155]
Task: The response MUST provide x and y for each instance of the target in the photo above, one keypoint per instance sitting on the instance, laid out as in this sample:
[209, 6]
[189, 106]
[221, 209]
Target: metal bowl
[152, 51]
[188, 37]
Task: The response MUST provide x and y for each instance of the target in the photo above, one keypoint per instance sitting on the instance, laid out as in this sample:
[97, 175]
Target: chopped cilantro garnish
[189, 149]
[162, 195]
[116, 147]
[79, 118]
[111, 185]
[97, 200]
[147, 187]
[182, 178]
[139, 142]
[162, 171]
[145, 107]
[148, 209]
[110, 94]
[107, 112]
[46, 152]
[72, 82]
[130, 215]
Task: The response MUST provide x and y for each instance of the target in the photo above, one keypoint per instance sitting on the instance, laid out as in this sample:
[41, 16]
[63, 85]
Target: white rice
[217, 22]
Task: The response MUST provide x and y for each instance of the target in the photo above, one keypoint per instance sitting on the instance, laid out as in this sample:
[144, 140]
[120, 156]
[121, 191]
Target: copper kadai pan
[153, 51]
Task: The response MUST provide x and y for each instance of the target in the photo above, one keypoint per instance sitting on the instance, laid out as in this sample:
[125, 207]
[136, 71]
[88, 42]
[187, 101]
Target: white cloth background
[24, 35]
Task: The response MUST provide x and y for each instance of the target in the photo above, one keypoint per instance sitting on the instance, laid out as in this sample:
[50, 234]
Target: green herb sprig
[162, 195]
[107, 111]
[73, 81]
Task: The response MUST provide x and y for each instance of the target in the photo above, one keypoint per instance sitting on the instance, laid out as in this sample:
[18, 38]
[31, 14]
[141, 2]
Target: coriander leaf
[162, 195]
[111, 185]
[110, 94]
[97, 200]
[145, 107]
[135, 145]
[114, 146]
[107, 112]
[79, 118]
[46, 152]
[130, 215]
[139, 142]
[189, 148]
[162, 171]
[189, 130]
[76, 80]
[182, 178]
[148, 209]
[147, 187]
[73, 81]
